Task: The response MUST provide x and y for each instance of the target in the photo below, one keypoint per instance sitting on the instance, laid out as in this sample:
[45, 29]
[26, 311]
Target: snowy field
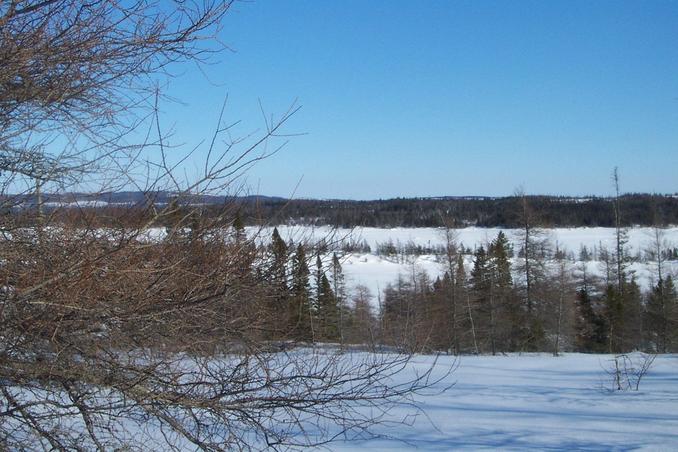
[570, 239]
[537, 402]
[375, 271]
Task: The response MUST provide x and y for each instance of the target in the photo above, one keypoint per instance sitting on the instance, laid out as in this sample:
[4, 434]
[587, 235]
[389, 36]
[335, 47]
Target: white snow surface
[535, 402]
[567, 238]
[376, 272]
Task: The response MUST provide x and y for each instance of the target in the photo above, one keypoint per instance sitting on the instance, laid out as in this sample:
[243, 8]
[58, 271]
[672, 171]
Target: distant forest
[548, 211]
[551, 211]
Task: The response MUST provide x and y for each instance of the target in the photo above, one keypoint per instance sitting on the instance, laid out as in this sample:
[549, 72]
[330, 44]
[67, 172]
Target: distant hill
[133, 198]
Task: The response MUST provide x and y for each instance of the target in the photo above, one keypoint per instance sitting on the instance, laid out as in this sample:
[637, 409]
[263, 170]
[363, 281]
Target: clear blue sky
[433, 98]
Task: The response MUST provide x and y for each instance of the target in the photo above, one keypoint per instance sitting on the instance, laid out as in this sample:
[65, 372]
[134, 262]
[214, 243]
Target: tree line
[487, 302]
[555, 211]
[499, 305]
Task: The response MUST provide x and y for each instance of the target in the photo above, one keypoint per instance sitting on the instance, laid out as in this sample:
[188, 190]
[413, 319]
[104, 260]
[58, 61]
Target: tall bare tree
[620, 236]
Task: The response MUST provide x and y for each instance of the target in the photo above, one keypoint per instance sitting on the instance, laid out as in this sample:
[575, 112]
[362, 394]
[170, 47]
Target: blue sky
[434, 98]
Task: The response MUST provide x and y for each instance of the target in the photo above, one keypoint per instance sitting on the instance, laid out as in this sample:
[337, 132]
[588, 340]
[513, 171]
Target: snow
[79, 204]
[570, 239]
[536, 402]
[376, 272]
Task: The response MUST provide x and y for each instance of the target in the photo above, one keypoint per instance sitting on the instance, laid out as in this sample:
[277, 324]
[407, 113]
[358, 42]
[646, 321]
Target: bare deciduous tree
[145, 326]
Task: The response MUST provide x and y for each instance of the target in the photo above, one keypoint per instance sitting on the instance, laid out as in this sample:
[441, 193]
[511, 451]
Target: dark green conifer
[660, 325]
[301, 313]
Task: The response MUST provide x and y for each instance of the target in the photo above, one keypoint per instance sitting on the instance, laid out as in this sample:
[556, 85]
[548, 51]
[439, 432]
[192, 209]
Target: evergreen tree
[239, 228]
[590, 327]
[279, 261]
[509, 318]
[328, 312]
[632, 331]
[614, 316]
[482, 285]
[442, 316]
[499, 251]
[301, 313]
[339, 290]
[279, 297]
[660, 324]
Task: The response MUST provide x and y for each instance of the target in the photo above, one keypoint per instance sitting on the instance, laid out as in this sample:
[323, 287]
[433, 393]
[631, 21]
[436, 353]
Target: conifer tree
[590, 325]
[328, 311]
[441, 318]
[279, 261]
[301, 313]
[623, 310]
[659, 318]
[339, 290]
[614, 316]
[499, 251]
[484, 296]
[657, 315]
[632, 331]
[509, 319]
[239, 228]
[279, 298]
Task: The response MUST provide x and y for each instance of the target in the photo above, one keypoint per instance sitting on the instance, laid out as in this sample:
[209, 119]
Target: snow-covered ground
[376, 272]
[536, 402]
[570, 239]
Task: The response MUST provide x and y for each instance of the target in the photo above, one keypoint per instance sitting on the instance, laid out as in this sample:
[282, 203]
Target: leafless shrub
[156, 327]
[626, 371]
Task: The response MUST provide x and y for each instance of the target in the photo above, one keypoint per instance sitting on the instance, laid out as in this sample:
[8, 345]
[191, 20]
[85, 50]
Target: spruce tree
[279, 297]
[301, 313]
[339, 291]
[279, 261]
[328, 311]
[590, 327]
[632, 331]
[614, 316]
[484, 296]
[441, 318]
[499, 251]
[239, 228]
[509, 319]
